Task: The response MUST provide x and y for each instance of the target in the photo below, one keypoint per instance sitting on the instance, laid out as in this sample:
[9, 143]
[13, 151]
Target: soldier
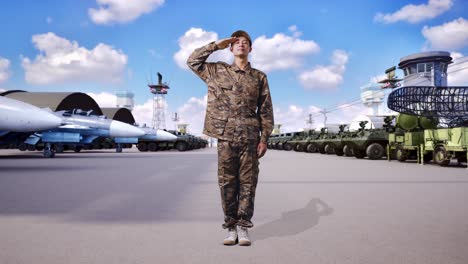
[240, 115]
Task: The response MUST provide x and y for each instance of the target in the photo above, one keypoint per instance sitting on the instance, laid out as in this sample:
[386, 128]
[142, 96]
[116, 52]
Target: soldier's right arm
[197, 61]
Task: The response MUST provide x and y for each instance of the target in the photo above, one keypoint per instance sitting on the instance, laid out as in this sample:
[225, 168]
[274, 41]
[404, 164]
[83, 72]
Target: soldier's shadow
[293, 222]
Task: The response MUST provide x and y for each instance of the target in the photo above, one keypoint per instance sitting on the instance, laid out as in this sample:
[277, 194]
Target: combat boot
[231, 238]
[243, 233]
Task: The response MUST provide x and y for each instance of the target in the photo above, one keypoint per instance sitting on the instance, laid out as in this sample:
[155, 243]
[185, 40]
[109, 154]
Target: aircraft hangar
[56, 101]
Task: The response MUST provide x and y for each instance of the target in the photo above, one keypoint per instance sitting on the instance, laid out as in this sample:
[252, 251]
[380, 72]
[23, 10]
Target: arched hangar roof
[56, 101]
[119, 114]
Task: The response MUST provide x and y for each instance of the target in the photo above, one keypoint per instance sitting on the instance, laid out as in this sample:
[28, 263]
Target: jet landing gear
[118, 148]
[49, 152]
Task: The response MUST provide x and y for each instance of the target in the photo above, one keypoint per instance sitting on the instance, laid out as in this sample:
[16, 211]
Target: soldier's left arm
[265, 110]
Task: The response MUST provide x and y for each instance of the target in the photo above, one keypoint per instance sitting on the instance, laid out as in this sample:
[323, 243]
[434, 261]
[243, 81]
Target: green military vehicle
[272, 141]
[309, 143]
[366, 142]
[407, 139]
[298, 143]
[445, 144]
[322, 143]
[334, 142]
[418, 138]
[284, 142]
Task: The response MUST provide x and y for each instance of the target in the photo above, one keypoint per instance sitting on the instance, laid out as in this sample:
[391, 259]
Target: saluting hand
[224, 43]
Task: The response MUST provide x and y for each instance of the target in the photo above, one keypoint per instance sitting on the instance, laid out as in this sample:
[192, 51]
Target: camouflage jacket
[239, 102]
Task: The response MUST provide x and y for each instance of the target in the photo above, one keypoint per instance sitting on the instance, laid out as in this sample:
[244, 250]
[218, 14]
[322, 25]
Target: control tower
[159, 92]
[372, 96]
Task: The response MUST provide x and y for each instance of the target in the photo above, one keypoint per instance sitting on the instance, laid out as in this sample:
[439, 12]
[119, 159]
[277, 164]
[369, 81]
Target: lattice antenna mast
[159, 103]
[310, 121]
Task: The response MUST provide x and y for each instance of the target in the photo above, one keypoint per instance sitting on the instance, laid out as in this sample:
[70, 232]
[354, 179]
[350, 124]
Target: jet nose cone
[46, 120]
[120, 129]
[165, 136]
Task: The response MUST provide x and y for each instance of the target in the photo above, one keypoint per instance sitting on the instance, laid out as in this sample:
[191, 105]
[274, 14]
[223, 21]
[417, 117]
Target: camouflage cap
[242, 33]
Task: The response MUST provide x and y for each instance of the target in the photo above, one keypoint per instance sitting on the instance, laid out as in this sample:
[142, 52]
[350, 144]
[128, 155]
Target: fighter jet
[81, 128]
[157, 135]
[18, 116]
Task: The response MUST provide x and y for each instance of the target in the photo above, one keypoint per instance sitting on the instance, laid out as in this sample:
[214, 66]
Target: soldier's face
[241, 47]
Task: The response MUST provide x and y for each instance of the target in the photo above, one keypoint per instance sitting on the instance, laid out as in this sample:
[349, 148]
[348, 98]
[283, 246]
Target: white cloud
[294, 118]
[416, 13]
[458, 70]
[449, 36]
[326, 77]
[143, 113]
[121, 11]
[4, 69]
[277, 53]
[191, 112]
[61, 60]
[295, 31]
[195, 38]
[104, 99]
[281, 52]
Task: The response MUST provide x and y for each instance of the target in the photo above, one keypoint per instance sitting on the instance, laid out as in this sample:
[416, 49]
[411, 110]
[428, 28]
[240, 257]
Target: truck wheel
[440, 156]
[152, 147]
[287, 146]
[401, 154]
[311, 148]
[77, 149]
[142, 147]
[375, 151]
[181, 146]
[299, 148]
[339, 152]
[348, 151]
[328, 149]
[23, 147]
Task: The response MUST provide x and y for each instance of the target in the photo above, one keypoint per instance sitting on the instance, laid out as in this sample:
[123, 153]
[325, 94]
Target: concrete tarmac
[164, 207]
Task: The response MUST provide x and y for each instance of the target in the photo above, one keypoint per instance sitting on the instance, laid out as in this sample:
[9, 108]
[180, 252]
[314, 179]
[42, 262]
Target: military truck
[298, 142]
[366, 142]
[333, 144]
[284, 142]
[445, 144]
[408, 137]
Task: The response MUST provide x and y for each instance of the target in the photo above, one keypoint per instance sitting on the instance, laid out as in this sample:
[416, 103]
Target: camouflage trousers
[237, 178]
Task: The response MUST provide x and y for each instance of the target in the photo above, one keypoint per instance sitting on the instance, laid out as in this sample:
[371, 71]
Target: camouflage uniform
[239, 114]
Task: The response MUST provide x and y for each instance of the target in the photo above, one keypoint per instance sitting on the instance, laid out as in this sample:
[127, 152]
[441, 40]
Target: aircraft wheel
[48, 153]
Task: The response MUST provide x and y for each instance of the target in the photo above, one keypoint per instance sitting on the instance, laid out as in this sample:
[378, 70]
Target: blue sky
[330, 48]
